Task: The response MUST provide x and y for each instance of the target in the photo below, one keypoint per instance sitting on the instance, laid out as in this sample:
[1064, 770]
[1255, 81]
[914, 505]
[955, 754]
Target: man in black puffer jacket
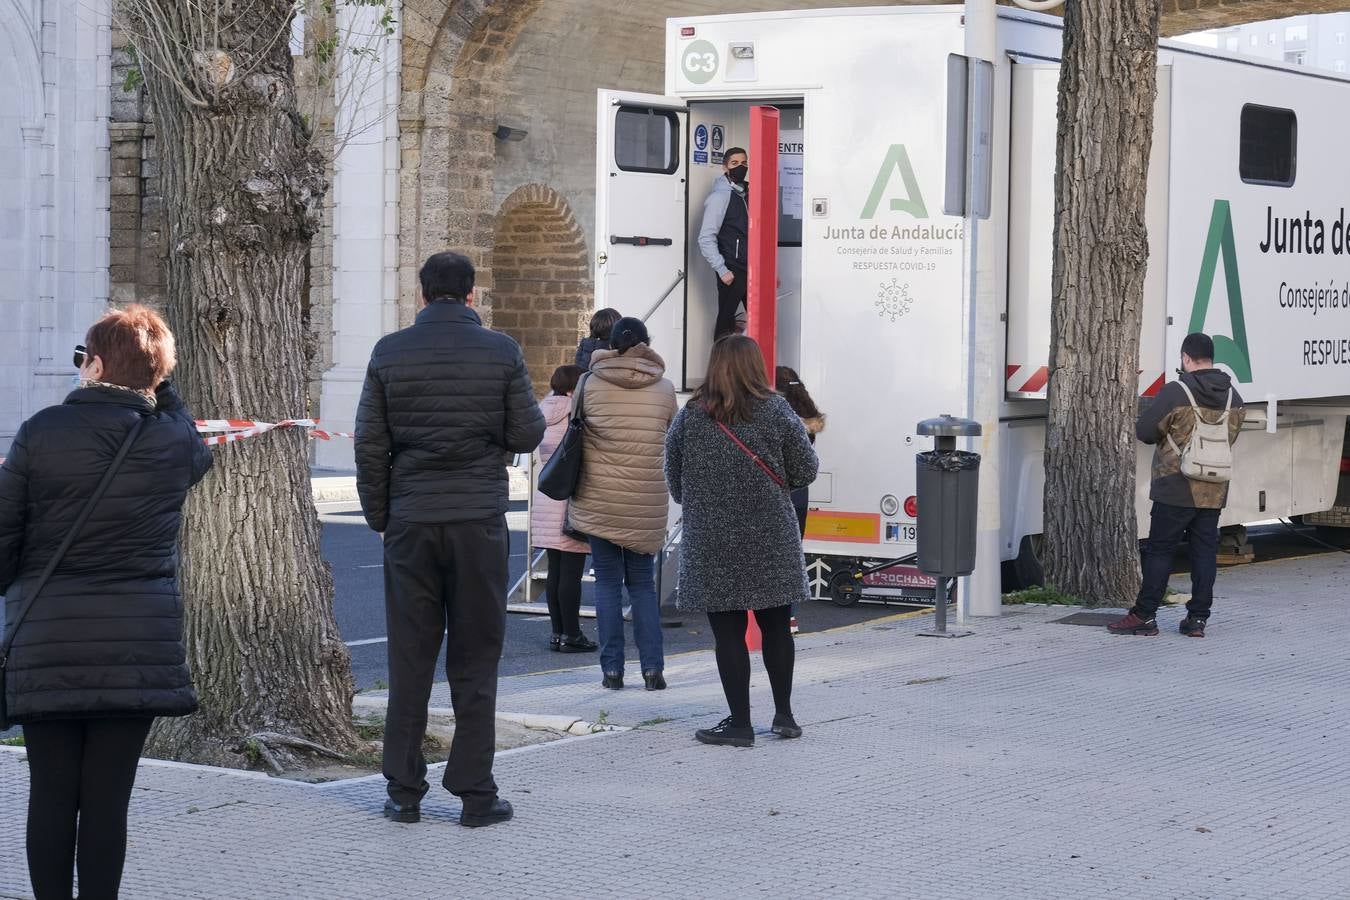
[445, 401]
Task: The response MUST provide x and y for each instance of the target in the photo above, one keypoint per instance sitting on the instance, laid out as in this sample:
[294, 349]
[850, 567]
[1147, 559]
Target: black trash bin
[947, 486]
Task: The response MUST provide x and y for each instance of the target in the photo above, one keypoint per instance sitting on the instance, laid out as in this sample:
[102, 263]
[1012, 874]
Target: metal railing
[532, 558]
[679, 276]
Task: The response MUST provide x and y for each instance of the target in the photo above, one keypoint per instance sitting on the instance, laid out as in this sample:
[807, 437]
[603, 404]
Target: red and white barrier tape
[226, 431]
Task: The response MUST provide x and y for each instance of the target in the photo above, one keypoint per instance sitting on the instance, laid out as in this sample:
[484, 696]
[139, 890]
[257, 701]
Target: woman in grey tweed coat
[741, 549]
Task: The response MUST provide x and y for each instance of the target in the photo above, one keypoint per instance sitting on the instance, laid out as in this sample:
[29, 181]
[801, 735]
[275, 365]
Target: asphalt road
[355, 554]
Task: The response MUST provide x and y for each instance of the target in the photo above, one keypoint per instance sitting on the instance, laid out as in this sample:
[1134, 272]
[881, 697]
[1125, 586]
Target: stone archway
[451, 50]
[541, 278]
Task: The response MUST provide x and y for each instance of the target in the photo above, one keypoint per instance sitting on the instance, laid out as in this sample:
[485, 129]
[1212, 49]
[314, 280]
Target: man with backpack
[1194, 422]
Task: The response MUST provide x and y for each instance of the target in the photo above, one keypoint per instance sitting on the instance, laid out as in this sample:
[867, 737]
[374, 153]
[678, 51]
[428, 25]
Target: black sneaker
[407, 813]
[1193, 627]
[726, 734]
[500, 811]
[785, 726]
[555, 642]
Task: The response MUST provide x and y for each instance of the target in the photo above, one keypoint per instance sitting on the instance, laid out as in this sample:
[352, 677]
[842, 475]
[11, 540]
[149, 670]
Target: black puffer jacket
[104, 638]
[445, 401]
[587, 347]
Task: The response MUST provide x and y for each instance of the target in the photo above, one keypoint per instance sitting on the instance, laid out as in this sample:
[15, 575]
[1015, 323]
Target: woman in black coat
[100, 653]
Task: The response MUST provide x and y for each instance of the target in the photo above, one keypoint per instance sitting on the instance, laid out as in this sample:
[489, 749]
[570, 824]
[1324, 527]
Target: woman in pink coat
[566, 554]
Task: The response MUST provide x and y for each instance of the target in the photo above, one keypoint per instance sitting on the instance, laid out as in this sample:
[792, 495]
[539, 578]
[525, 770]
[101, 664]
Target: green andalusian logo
[1233, 351]
[896, 158]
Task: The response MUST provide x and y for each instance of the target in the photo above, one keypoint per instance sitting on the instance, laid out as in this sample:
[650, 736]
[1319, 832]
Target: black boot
[655, 681]
[578, 643]
[500, 811]
[613, 681]
[407, 813]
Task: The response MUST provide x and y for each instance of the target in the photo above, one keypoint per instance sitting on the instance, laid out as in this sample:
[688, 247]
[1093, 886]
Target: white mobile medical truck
[1249, 242]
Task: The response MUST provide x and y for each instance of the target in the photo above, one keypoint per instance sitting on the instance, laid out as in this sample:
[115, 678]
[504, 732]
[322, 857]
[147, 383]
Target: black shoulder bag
[558, 479]
[56, 561]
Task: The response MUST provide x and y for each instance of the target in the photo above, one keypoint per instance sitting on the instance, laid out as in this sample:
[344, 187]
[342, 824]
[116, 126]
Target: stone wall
[138, 241]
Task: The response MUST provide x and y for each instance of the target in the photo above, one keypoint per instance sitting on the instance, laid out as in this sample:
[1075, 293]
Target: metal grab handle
[679, 276]
[641, 240]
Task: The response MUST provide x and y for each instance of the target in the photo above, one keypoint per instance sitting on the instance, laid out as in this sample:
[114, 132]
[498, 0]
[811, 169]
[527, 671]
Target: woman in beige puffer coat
[621, 501]
[566, 554]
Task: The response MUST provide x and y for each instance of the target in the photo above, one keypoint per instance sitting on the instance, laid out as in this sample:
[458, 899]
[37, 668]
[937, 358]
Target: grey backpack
[1207, 456]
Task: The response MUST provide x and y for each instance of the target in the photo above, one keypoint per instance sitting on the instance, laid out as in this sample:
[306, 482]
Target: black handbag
[55, 561]
[558, 479]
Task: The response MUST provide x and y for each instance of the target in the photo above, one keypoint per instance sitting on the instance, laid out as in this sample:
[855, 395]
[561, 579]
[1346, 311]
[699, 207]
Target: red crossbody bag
[750, 453]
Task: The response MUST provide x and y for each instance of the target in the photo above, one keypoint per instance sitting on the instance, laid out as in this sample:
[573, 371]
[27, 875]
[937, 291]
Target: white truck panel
[883, 339]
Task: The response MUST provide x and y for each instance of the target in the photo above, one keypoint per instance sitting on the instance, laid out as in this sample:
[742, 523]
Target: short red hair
[136, 346]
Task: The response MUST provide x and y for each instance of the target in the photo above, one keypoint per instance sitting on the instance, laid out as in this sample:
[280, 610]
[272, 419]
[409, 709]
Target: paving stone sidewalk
[1030, 760]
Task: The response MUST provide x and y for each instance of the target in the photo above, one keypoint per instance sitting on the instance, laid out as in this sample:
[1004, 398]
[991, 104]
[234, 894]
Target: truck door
[1031, 233]
[1031, 228]
[640, 210]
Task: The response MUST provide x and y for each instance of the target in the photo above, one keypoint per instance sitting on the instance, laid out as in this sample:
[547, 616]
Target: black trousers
[1168, 525]
[730, 297]
[564, 591]
[80, 775]
[440, 578]
[801, 502]
[733, 659]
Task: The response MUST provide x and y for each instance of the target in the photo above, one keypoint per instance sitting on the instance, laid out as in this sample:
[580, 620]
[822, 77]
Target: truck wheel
[1027, 566]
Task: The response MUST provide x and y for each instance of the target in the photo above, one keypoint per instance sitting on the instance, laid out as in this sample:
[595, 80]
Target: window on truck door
[1268, 152]
[646, 140]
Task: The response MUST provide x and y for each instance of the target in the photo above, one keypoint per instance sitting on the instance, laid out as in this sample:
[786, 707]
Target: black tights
[564, 591]
[80, 774]
[733, 659]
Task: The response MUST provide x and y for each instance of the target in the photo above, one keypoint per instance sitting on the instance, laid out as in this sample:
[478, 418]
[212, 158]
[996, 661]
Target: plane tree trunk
[1108, 82]
[242, 192]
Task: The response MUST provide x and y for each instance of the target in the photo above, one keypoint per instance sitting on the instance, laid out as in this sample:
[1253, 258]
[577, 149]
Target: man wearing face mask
[724, 237]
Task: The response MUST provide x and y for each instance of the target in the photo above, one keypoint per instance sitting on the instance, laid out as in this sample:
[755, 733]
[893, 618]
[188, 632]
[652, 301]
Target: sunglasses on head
[81, 356]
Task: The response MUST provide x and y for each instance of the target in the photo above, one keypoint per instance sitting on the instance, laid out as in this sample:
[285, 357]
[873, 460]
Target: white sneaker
[792, 625]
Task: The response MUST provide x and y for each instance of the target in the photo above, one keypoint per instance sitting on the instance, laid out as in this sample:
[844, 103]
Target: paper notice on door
[790, 171]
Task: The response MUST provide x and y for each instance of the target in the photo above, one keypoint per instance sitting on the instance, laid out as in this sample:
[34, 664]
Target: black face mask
[737, 173]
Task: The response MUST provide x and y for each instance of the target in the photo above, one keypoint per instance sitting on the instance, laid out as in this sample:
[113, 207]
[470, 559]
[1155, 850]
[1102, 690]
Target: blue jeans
[616, 567]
